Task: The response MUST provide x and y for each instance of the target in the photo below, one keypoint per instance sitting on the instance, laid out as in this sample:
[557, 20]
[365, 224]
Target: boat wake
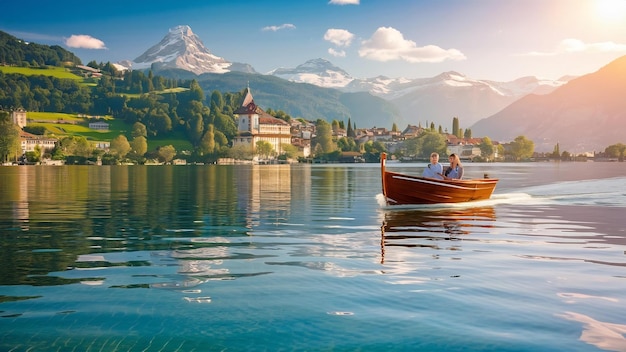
[508, 198]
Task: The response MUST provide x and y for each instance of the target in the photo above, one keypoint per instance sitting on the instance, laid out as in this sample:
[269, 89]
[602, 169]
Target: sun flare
[610, 10]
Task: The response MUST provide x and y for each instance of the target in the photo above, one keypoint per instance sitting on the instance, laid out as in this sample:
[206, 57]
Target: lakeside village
[255, 125]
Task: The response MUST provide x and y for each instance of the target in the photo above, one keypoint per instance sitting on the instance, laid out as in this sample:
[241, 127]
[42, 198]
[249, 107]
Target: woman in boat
[434, 169]
[455, 170]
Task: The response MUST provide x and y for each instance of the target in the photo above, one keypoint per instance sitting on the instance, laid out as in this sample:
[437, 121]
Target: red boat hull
[402, 189]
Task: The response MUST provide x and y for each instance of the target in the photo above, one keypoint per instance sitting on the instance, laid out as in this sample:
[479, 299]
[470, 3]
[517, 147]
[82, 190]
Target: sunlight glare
[611, 10]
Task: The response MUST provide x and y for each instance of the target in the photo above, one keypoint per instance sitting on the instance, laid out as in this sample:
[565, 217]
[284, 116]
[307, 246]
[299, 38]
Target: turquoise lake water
[306, 258]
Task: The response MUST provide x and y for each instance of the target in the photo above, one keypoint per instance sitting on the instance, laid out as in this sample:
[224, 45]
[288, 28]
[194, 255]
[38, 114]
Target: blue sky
[484, 39]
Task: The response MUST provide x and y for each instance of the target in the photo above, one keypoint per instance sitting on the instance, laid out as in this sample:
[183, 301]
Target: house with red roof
[254, 124]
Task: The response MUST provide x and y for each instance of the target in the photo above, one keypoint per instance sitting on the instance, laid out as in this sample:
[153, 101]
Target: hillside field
[59, 125]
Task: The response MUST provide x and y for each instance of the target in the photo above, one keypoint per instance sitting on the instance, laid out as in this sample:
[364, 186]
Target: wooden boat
[403, 189]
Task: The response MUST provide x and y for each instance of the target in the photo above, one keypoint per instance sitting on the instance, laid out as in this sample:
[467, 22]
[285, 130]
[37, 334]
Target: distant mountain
[441, 98]
[586, 114]
[307, 100]
[424, 100]
[182, 49]
[319, 72]
[438, 99]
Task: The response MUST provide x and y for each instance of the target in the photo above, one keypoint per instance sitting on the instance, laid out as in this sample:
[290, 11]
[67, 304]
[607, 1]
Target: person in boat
[434, 169]
[455, 170]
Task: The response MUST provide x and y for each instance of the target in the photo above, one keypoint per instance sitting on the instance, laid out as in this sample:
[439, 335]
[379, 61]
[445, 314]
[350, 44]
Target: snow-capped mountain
[450, 94]
[319, 72]
[435, 99]
[182, 49]
[323, 73]
[422, 100]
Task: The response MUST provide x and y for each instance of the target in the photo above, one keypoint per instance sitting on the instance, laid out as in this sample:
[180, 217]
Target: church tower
[248, 115]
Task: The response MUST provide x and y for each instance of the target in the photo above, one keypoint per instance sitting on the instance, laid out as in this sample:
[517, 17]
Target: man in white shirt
[434, 169]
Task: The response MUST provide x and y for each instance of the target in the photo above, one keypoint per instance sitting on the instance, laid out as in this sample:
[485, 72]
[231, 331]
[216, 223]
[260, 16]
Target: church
[255, 125]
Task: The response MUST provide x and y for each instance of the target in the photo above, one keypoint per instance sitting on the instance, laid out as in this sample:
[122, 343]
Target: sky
[499, 40]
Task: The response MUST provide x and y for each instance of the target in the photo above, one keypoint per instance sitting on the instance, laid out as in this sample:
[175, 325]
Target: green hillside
[300, 99]
[52, 71]
[60, 125]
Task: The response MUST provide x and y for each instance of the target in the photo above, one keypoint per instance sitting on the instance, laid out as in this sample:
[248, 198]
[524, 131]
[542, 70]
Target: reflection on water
[604, 335]
[54, 217]
[429, 227]
[303, 257]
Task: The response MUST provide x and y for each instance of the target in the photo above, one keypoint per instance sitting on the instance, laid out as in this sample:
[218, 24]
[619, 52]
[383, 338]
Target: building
[19, 117]
[99, 125]
[256, 125]
[29, 141]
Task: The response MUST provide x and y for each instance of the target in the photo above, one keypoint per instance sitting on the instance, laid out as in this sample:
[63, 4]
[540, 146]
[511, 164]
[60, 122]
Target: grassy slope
[58, 72]
[50, 120]
[116, 127]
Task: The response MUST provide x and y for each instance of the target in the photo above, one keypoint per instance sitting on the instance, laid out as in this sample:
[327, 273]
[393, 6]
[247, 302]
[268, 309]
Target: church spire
[248, 99]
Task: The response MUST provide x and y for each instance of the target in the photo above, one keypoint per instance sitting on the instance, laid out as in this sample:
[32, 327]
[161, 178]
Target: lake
[306, 258]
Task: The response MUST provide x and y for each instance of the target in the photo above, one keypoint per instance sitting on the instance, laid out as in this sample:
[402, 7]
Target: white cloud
[388, 44]
[336, 53]
[339, 37]
[84, 42]
[570, 45]
[344, 2]
[277, 28]
[575, 45]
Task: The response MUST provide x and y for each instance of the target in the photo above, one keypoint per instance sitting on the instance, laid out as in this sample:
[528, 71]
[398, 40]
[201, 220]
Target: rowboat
[404, 189]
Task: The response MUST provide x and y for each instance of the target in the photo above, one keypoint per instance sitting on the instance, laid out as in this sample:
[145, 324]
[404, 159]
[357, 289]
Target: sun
[610, 10]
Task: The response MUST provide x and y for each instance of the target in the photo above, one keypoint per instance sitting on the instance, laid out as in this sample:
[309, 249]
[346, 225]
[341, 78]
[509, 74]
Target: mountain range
[587, 114]
[319, 89]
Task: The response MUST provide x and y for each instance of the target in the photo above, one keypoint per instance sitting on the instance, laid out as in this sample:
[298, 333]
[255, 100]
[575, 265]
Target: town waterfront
[306, 258]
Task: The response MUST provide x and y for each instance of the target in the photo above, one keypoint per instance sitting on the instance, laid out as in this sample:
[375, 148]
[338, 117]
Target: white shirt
[433, 171]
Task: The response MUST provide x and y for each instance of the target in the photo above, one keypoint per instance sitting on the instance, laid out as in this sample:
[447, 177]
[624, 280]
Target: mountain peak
[320, 72]
[182, 49]
[182, 30]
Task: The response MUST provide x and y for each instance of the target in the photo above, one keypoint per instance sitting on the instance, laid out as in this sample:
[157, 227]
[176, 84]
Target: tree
[120, 146]
[556, 153]
[616, 151]
[426, 143]
[521, 148]
[139, 129]
[350, 132]
[207, 143]
[486, 148]
[289, 151]
[468, 133]
[324, 137]
[9, 137]
[139, 146]
[74, 145]
[394, 127]
[166, 153]
[241, 152]
[264, 149]
[346, 144]
[373, 150]
[35, 155]
[455, 127]
[217, 101]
